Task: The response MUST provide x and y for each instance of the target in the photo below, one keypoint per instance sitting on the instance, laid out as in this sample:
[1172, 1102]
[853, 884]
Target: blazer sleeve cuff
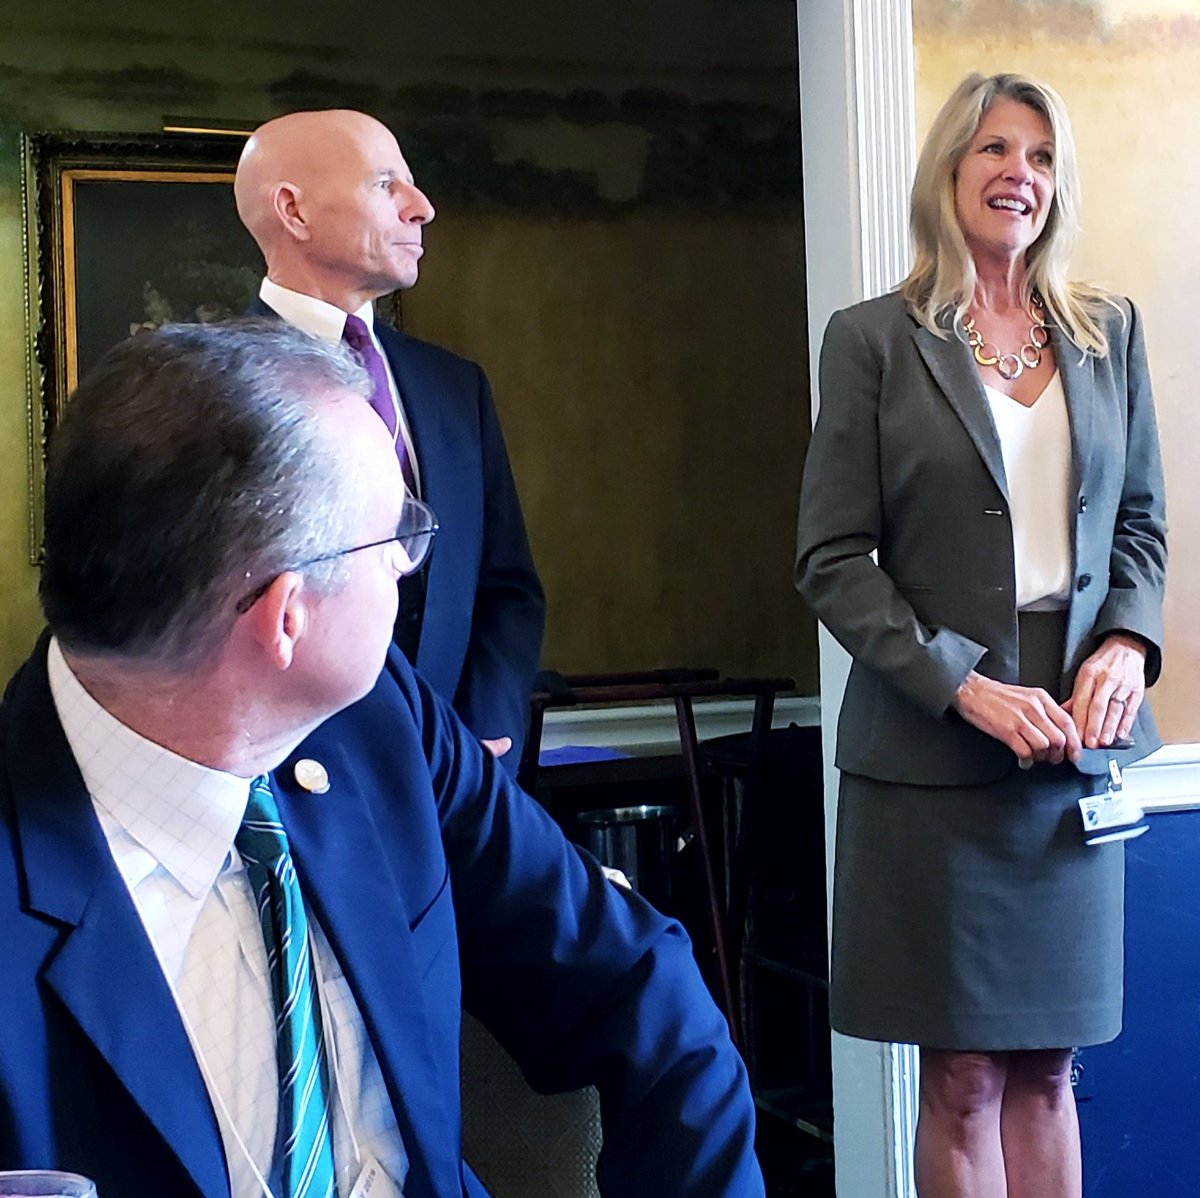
[947, 659]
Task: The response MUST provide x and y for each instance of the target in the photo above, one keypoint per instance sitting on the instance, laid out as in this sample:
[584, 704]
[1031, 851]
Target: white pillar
[857, 136]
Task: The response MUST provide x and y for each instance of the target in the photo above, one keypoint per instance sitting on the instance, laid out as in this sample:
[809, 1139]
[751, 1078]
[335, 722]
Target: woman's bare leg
[958, 1152]
[1039, 1128]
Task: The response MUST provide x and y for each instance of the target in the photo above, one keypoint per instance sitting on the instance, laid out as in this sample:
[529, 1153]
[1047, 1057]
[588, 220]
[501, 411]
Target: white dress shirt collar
[327, 322]
[184, 815]
[310, 314]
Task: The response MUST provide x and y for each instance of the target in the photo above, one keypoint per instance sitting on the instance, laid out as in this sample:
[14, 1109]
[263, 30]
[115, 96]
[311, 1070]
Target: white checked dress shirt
[170, 825]
[326, 321]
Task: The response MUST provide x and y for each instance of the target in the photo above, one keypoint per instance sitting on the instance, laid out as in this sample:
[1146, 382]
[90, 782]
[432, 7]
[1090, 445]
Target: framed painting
[130, 235]
[122, 235]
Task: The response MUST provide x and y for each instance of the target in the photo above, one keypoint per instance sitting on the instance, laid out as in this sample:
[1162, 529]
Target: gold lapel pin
[311, 776]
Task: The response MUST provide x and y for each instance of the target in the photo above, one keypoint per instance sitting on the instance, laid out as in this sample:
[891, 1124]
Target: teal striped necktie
[304, 1091]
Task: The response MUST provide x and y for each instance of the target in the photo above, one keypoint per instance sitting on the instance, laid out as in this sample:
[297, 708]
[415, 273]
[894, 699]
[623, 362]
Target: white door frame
[858, 146]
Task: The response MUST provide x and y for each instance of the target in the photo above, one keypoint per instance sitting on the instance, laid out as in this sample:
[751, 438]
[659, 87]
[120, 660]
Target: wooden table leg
[691, 770]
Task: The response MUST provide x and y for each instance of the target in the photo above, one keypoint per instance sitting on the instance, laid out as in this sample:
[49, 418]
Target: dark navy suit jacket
[439, 884]
[484, 610]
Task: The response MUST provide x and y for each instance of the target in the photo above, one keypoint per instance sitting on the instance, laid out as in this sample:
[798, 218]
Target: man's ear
[285, 203]
[280, 618]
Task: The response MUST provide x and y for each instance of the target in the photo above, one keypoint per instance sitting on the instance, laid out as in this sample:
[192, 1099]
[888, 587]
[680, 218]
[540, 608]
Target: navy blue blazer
[439, 884]
[485, 613]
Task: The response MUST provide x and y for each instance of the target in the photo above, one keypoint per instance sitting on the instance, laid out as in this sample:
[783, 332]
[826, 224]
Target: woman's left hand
[1109, 689]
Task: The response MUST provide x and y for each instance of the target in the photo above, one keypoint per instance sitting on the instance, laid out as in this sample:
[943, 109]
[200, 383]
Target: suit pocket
[433, 930]
[425, 911]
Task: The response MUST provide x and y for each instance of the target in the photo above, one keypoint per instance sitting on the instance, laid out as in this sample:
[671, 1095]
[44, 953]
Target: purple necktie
[358, 338]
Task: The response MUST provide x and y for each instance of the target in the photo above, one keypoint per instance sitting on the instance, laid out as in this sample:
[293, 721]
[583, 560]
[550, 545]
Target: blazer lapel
[126, 1011]
[349, 880]
[441, 488]
[949, 362]
[1077, 373]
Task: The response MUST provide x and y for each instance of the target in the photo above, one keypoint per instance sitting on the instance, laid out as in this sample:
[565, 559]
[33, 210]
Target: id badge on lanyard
[1112, 814]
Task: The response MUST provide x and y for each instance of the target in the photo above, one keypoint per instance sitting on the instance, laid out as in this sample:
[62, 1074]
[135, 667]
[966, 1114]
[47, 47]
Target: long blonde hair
[941, 284]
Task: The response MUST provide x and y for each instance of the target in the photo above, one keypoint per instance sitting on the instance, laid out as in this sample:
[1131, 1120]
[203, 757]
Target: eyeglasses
[409, 548]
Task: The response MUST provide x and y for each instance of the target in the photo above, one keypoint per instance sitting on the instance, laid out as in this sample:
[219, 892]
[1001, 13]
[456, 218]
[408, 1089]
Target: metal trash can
[640, 842]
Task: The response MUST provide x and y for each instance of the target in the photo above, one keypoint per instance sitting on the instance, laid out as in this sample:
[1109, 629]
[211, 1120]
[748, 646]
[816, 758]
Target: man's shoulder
[425, 353]
[25, 681]
[29, 730]
[396, 711]
[410, 348]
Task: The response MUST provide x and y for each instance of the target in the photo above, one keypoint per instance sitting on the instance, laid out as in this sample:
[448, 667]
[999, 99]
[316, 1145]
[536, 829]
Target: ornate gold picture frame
[121, 234]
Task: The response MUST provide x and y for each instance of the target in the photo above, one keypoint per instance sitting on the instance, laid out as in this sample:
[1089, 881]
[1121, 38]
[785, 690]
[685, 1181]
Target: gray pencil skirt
[975, 917]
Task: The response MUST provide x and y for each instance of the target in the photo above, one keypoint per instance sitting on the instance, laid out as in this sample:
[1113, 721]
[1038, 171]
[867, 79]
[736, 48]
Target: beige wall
[1129, 71]
[648, 354]
[649, 398]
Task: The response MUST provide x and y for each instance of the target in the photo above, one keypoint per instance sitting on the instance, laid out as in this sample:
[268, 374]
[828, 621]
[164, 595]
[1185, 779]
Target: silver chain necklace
[1012, 366]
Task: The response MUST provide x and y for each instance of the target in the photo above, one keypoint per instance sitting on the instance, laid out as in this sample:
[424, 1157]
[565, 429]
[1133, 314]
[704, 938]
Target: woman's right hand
[1025, 718]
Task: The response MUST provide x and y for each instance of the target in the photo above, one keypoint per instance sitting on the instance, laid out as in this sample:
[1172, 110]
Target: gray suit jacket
[905, 461]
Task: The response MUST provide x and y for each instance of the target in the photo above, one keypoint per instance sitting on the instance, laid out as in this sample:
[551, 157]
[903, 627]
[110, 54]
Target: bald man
[334, 209]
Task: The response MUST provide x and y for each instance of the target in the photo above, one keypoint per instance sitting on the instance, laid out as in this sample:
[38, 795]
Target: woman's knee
[1044, 1073]
[962, 1084]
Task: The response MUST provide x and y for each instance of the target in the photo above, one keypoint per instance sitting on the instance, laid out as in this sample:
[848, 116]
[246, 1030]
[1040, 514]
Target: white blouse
[1036, 446]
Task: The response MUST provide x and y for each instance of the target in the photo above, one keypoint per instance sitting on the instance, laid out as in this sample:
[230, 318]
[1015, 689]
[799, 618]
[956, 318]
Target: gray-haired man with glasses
[407, 548]
[252, 868]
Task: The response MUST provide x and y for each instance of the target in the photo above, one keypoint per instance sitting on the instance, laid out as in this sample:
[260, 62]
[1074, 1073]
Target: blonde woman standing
[982, 528]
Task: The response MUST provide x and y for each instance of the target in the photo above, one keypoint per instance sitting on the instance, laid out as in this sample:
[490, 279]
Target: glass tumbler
[45, 1183]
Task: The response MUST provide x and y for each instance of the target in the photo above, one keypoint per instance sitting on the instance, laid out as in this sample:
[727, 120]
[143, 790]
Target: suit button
[1083, 503]
[1085, 581]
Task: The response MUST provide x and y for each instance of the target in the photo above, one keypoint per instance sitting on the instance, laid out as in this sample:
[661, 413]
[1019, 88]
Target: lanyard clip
[1114, 776]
